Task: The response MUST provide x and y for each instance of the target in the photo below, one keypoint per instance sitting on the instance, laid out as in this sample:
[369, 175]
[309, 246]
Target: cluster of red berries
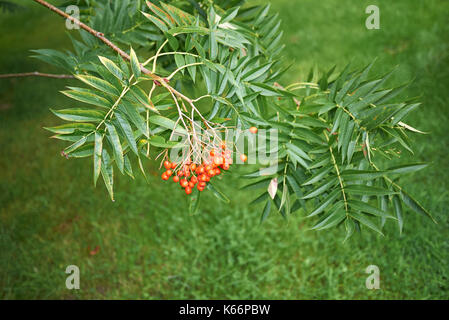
[191, 174]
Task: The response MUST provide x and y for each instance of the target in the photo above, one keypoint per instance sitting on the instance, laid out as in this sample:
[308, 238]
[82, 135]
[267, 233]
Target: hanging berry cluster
[190, 174]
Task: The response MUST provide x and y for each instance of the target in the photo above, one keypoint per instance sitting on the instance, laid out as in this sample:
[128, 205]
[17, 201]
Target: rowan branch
[36, 74]
[122, 53]
[96, 34]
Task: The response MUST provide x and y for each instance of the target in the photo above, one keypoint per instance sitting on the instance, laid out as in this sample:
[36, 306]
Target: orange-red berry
[167, 164]
[176, 179]
[253, 130]
[169, 172]
[188, 190]
[218, 161]
[184, 183]
[173, 165]
[164, 176]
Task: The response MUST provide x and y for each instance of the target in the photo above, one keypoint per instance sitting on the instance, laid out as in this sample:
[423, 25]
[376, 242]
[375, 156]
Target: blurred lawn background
[51, 216]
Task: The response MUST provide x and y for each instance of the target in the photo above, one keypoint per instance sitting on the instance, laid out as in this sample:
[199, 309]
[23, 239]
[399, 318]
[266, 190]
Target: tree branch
[36, 74]
[122, 53]
[98, 35]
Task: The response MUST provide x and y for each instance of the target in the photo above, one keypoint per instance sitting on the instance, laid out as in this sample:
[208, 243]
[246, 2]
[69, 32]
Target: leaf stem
[37, 74]
[183, 67]
[338, 175]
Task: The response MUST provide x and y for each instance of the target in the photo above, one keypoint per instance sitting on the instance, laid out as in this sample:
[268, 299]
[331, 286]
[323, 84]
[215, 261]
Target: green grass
[150, 248]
